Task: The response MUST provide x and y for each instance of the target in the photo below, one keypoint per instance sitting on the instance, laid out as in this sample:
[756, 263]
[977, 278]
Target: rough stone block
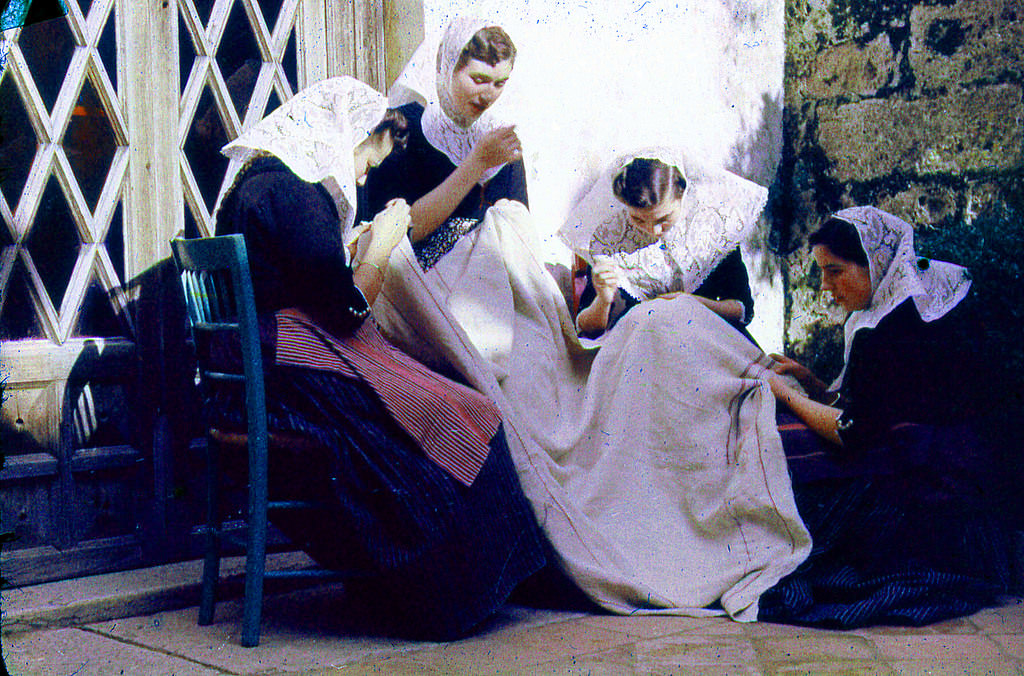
[971, 41]
[922, 204]
[980, 130]
[852, 69]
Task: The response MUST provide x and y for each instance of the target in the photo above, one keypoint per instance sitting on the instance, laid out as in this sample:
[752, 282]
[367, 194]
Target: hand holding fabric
[605, 275]
[387, 230]
[496, 147]
[786, 366]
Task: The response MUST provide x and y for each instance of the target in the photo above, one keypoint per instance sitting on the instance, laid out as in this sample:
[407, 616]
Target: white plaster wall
[597, 77]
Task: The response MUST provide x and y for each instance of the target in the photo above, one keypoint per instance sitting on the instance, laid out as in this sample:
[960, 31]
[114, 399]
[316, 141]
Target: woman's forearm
[594, 317]
[729, 310]
[369, 274]
[819, 417]
[434, 208]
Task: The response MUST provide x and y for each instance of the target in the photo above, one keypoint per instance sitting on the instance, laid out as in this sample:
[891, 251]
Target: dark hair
[395, 124]
[645, 182]
[492, 45]
[842, 240]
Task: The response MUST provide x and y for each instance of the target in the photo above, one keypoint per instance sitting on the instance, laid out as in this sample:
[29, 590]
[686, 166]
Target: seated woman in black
[672, 234]
[888, 473]
[422, 495]
[459, 160]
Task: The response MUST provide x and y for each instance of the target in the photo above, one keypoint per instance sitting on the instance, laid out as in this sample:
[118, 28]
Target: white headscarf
[897, 274]
[315, 133]
[427, 79]
[718, 211]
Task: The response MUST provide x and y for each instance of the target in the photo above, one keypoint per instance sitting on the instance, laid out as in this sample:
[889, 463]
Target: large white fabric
[653, 462]
[897, 274]
[315, 133]
[719, 210]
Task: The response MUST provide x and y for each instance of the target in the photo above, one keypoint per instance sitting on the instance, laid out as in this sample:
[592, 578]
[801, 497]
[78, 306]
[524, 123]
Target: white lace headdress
[315, 133]
[427, 79]
[718, 211]
[897, 273]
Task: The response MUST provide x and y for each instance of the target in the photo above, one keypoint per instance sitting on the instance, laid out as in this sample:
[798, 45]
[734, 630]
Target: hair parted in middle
[645, 182]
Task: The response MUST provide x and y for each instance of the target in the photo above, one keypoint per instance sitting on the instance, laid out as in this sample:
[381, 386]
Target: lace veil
[719, 210]
[315, 133]
[897, 273]
[427, 78]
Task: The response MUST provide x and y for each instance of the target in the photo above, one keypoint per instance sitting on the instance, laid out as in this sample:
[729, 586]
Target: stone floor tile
[772, 630]
[691, 650]
[965, 667]
[938, 647]
[832, 668]
[959, 625]
[60, 652]
[379, 666]
[1006, 619]
[804, 649]
[512, 648]
[653, 626]
[631, 660]
[286, 647]
[1011, 644]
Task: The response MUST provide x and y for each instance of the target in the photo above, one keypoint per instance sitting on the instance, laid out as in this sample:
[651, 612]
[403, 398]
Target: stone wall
[915, 107]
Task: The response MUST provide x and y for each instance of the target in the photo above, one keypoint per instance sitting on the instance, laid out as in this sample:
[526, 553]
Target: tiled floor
[301, 635]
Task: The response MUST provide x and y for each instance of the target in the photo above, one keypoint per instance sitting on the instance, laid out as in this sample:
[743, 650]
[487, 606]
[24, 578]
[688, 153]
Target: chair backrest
[219, 297]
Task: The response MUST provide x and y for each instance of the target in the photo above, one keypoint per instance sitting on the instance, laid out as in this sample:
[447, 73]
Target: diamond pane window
[186, 52]
[89, 144]
[53, 243]
[97, 317]
[273, 104]
[289, 62]
[191, 229]
[203, 8]
[202, 148]
[239, 59]
[253, 68]
[115, 242]
[17, 142]
[18, 318]
[270, 10]
[47, 47]
[107, 48]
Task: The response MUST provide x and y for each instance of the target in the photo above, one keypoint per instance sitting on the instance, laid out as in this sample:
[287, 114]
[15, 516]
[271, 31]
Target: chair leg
[211, 560]
[255, 559]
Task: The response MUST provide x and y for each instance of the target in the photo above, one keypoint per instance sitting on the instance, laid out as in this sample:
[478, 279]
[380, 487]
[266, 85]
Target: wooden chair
[218, 292]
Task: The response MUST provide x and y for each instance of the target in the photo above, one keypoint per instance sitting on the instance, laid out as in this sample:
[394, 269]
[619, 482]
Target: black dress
[435, 557]
[728, 281]
[904, 516]
[414, 172]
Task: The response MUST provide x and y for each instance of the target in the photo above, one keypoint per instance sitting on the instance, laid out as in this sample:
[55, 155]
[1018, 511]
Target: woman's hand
[497, 147]
[786, 366]
[605, 277]
[387, 230]
[819, 417]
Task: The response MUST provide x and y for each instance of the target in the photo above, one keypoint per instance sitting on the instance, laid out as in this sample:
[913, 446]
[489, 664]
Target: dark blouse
[909, 370]
[293, 236]
[414, 172]
[728, 281]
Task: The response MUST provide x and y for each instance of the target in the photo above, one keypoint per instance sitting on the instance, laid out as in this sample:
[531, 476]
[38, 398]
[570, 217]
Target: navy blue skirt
[434, 558]
[907, 533]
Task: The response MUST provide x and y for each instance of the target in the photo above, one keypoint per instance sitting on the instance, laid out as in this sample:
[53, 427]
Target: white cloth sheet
[651, 458]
